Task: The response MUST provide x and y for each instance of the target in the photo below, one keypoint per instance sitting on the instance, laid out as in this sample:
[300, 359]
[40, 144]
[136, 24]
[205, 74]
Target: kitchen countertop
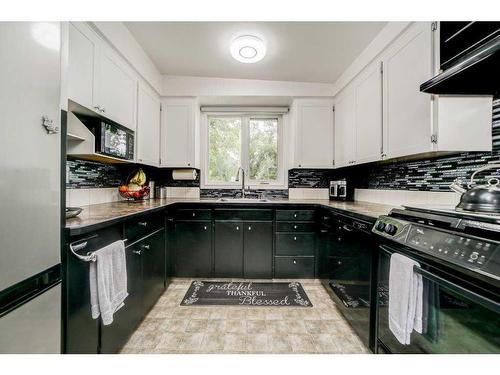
[96, 215]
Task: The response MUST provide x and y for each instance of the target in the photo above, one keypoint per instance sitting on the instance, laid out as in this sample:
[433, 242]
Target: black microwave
[113, 140]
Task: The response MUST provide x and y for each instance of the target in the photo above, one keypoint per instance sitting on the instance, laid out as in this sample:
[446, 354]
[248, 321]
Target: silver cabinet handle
[205, 227]
[249, 228]
[294, 227]
[142, 223]
[138, 252]
[145, 247]
[294, 261]
[294, 215]
[194, 214]
[237, 228]
[295, 238]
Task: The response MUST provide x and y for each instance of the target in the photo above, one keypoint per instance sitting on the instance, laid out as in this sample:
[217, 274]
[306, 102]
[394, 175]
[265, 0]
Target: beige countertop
[108, 213]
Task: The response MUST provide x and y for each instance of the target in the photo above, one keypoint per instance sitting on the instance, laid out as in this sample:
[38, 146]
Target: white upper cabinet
[369, 115]
[178, 132]
[116, 89]
[98, 78]
[314, 133]
[345, 129]
[81, 65]
[148, 127]
[407, 112]
[382, 114]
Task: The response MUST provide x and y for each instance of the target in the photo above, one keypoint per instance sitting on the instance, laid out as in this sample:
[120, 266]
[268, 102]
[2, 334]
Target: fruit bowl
[138, 195]
[135, 187]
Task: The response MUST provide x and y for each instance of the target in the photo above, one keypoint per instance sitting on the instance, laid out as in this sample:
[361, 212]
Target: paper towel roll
[184, 174]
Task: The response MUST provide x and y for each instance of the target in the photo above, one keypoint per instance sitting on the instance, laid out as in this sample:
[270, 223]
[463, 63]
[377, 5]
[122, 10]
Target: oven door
[457, 319]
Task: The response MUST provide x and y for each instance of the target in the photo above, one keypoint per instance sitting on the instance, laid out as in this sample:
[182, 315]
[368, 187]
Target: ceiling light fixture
[248, 49]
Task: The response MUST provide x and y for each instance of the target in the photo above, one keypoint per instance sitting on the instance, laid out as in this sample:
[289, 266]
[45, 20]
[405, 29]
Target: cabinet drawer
[243, 214]
[142, 226]
[193, 214]
[290, 267]
[295, 243]
[294, 215]
[293, 226]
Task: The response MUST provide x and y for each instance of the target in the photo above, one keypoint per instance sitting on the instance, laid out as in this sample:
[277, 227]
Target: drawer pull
[294, 227]
[295, 238]
[324, 230]
[237, 228]
[142, 223]
[194, 214]
[294, 215]
[145, 247]
[205, 227]
[249, 228]
[294, 261]
[137, 252]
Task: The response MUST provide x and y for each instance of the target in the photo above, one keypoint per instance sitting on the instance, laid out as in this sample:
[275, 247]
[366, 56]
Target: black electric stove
[458, 255]
[464, 239]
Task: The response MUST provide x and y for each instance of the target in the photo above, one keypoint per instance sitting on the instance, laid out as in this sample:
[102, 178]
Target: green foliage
[225, 148]
[263, 149]
[224, 140]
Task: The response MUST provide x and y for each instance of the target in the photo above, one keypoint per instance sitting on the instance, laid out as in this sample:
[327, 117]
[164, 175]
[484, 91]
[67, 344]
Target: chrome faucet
[243, 193]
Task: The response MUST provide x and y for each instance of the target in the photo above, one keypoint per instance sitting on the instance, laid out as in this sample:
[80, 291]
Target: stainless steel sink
[243, 200]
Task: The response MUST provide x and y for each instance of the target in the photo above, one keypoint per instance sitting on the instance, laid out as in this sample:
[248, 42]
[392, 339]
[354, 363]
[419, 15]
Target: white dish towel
[108, 281]
[405, 298]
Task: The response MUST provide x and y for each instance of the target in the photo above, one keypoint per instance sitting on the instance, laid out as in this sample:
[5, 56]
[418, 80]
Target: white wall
[208, 86]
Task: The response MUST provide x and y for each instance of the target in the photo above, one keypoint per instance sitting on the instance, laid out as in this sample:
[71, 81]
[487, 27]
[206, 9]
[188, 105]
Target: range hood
[475, 73]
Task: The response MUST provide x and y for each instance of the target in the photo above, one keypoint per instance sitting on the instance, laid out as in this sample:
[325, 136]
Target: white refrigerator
[30, 187]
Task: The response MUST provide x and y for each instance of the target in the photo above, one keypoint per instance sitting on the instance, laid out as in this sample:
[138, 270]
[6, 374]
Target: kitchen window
[250, 141]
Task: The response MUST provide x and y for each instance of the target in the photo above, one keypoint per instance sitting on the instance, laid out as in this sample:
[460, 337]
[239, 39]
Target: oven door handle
[474, 297]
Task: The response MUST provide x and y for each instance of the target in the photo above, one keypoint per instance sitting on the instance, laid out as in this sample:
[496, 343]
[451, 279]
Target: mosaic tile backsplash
[236, 193]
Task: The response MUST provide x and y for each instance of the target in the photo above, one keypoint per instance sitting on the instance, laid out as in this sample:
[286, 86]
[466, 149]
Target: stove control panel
[468, 252]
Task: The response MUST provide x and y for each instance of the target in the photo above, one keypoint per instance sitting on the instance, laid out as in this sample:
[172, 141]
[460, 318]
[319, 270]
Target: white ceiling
[296, 51]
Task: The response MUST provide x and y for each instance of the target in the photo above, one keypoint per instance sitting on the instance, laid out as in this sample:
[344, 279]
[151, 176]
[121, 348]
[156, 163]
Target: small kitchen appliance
[338, 190]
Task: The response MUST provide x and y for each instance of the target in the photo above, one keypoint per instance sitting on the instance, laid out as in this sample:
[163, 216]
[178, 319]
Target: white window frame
[280, 183]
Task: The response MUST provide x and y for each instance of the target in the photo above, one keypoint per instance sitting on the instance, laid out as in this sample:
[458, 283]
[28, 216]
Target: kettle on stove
[479, 198]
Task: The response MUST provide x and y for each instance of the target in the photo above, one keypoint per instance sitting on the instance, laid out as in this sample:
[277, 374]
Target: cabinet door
[315, 135]
[125, 320]
[369, 116]
[153, 268]
[177, 135]
[116, 90]
[228, 250]
[345, 128]
[81, 66]
[258, 249]
[193, 249]
[148, 127]
[407, 111]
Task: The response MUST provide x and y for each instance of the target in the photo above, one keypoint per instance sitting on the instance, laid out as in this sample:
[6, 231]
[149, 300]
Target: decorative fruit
[133, 187]
[137, 195]
[123, 188]
[139, 178]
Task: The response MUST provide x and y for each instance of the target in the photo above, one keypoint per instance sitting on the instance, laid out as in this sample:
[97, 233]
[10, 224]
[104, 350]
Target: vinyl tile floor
[173, 329]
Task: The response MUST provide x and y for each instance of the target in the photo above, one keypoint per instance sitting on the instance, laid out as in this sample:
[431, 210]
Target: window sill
[249, 187]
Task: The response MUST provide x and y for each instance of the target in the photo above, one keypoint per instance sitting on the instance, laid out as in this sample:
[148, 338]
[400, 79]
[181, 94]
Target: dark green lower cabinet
[258, 249]
[228, 250]
[153, 269]
[193, 248]
[145, 284]
[115, 335]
